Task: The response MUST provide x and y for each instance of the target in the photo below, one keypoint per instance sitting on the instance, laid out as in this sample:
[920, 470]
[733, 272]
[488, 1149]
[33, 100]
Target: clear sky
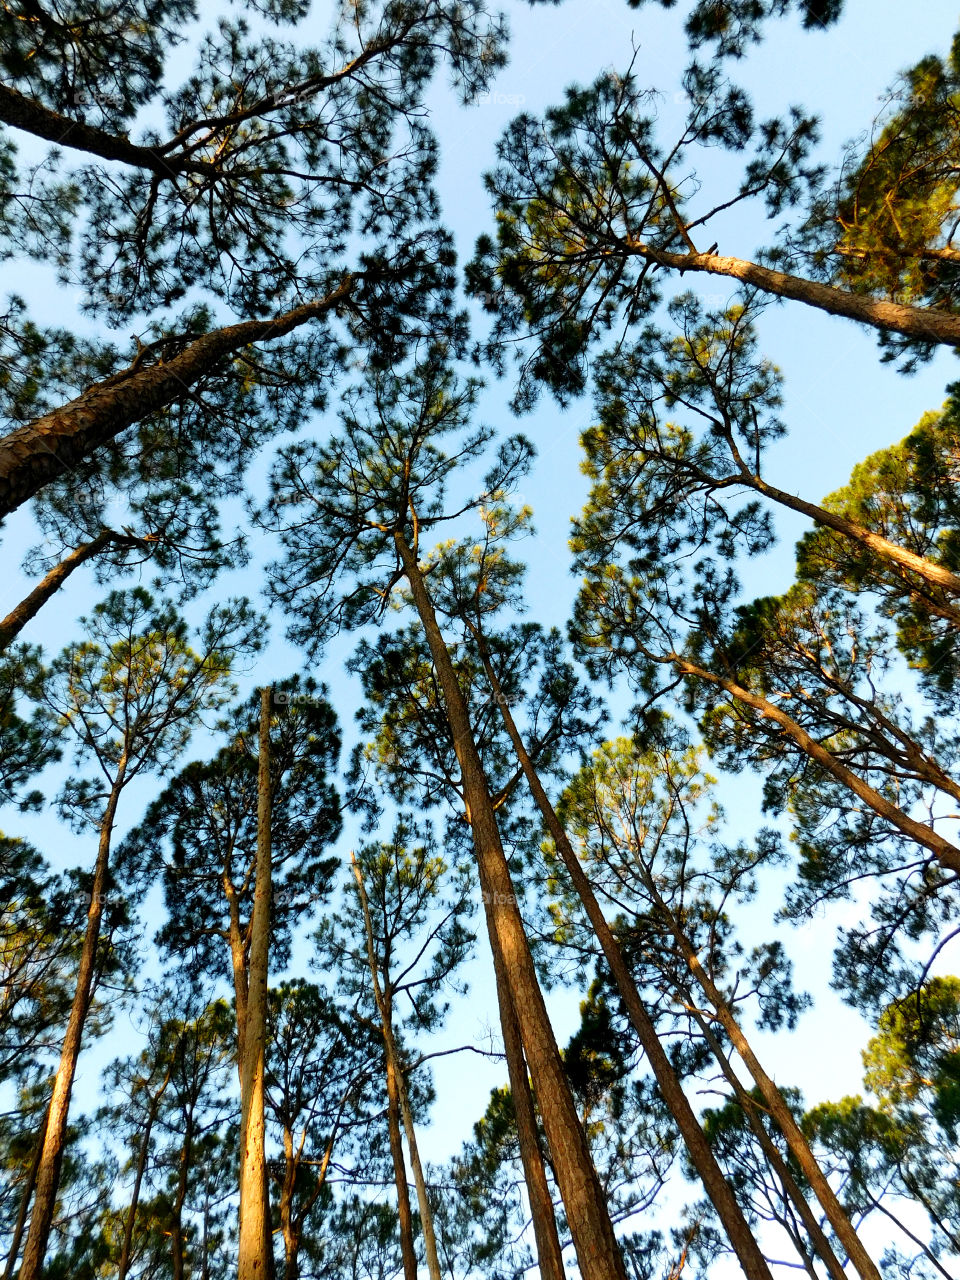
[841, 404]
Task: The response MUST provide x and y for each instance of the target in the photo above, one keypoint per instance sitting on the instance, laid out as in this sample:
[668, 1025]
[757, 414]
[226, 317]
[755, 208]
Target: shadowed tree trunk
[51, 1152]
[385, 1009]
[255, 1248]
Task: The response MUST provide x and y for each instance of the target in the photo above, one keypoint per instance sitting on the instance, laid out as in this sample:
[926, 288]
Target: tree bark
[255, 1245]
[51, 1155]
[33, 455]
[774, 1158]
[52, 581]
[711, 1175]
[912, 322]
[408, 1249]
[549, 1252]
[384, 1004]
[28, 1190]
[947, 853]
[123, 1266]
[772, 1096]
[935, 574]
[597, 1250]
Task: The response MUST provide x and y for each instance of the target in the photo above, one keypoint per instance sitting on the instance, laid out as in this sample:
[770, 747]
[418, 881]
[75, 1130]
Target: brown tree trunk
[913, 322]
[774, 1099]
[33, 455]
[126, 1249]
[549, 1252]
[30, 605]
[51, 1155]
[947, 853]
[384, 1002]
[291, 1236]
[597, 1250]
[772, 1096]
[31, 1181]
[747, 1105]
[711, 1175]
[407, 1247]
[931, 572]
[255, 1245]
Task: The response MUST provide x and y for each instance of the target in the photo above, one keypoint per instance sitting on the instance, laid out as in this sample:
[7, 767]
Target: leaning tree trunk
[549, 1252]
[798, 1144]
[715, 1184]
[51, 1154]
[587, 1214]
[384, 1002]
[126, 1249]
[408, 1249]
[39, 452]
[13, 1253]
[255, 1247]
[948, 854]
[772, 1096]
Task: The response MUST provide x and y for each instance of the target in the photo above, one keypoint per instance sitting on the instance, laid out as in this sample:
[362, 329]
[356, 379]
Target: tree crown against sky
[261, 200]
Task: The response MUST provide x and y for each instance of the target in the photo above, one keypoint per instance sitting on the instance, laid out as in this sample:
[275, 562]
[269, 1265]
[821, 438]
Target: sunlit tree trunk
[947, 853]
[597, 1250]
[255, 1247]
[384, 1004]
[715, 1184]
[549, 1253]
[51, 1154]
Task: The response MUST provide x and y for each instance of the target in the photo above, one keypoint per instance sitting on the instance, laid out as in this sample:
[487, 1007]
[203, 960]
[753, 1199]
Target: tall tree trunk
[177, 1239]
[947, 853]
[597, 1250]
[123, 1266]
[53, 580]
[772, 1096]
[384, 1002]
[38, 452]
[711, 1175]
[51, 1155]
[549, 1252]
[780, 1167]
[288, 1228]
[936, 575]
[801, 1151]
[922, 323]
[255, 1247]
[408, 1248]
[27, 1195]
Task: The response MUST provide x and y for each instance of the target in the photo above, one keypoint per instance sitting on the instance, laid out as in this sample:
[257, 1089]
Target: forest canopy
[479, 691]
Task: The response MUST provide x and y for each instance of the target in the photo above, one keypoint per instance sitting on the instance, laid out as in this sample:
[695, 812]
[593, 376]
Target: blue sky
[841, 404]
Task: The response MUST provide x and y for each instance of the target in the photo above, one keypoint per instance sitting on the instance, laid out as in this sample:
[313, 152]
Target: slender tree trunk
[384, 1003]
[549, 1252]
[947, 853]
[177, 1251]
[774, 1099]
[51, 1155]
[291, 1236]
[408, 1248]
[123, 1266]
[931, 572]
[774, 1158]
[25, 1198]
[255, 1246]
[587, 1214]
[53, 580]
[711, 1175]
[33, 455]
[772, 1096]
[913, 322]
